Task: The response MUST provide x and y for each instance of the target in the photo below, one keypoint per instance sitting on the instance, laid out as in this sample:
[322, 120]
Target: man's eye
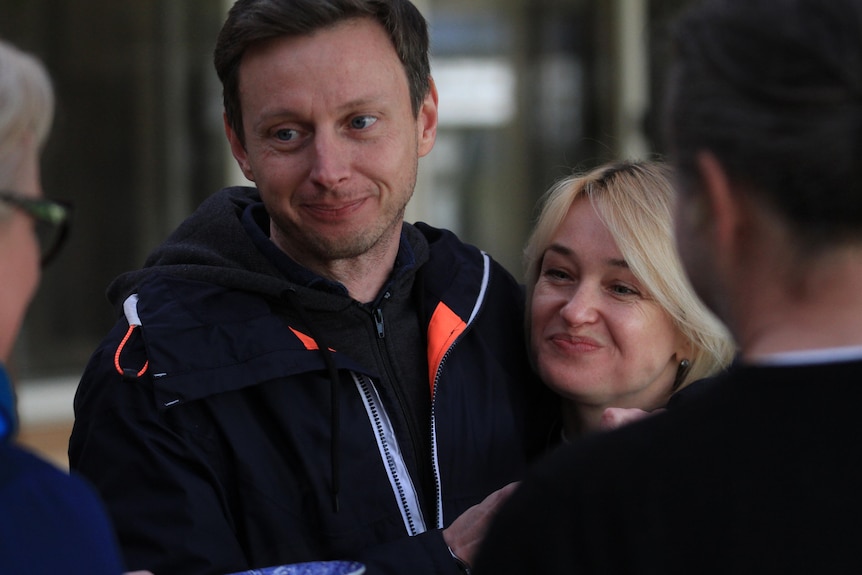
[362, 122]
[285, 135]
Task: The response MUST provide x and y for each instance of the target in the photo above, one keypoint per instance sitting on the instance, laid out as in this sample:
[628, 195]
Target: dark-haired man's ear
[427, 120]
[723, 205]
[238, 149]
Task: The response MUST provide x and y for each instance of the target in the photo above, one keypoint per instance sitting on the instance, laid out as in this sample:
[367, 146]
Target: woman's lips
[575, 344]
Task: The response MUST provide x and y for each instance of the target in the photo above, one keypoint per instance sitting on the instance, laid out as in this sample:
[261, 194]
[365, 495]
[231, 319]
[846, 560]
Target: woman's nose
[582, 305]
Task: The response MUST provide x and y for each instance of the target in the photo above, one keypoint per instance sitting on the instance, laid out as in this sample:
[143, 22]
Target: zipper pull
[378, 322]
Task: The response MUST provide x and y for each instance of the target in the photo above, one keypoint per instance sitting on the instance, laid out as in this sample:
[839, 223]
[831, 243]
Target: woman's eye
[362, 122]
[285, 135]
[620, 289]
[555, 274]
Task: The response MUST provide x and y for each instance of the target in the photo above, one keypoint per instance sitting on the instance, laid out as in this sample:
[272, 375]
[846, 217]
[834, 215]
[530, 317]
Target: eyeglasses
[52, 221]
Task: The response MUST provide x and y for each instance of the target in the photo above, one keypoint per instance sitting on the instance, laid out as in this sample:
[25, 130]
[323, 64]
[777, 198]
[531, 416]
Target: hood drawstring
[334, 387]
[130, 310]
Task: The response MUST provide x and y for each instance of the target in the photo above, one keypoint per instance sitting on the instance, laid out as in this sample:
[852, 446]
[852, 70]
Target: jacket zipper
[377, 314]
[396, 468]
[435, 462]
[379, 325]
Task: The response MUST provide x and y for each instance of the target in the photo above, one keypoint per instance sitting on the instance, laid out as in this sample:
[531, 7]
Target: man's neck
[363, 275]
[820, 311]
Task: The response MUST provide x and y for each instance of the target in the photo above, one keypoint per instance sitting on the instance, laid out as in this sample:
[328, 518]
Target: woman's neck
[580, 419]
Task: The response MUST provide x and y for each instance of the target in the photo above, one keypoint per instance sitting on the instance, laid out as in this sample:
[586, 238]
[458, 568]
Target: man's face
[331, 140]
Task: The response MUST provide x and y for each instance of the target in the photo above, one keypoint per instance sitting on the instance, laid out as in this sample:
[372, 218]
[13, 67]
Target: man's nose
[331, 162]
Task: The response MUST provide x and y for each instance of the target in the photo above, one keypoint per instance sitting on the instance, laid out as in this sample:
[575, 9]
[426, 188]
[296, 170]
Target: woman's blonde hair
[26, 108]
[635, 202]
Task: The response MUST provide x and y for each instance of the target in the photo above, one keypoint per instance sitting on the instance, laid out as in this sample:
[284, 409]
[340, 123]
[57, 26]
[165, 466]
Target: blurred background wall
[530, 90]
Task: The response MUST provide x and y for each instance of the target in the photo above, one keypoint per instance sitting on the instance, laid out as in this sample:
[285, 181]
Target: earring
[681, 372]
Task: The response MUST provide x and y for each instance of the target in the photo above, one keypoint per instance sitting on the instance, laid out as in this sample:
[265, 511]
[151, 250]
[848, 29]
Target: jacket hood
[211, 245]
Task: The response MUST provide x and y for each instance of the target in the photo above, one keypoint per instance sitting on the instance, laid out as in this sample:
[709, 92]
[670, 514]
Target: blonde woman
[612, 320]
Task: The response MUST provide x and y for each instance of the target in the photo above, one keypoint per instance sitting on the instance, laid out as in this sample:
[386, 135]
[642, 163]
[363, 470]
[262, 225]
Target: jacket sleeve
[167, 509]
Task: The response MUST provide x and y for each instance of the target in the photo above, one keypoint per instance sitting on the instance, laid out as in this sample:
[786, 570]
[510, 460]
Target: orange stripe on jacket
[444, 329]
[308, 342]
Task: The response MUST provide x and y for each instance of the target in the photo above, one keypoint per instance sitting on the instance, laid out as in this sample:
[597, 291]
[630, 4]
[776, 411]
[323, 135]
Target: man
[298, 374]
[759, 472]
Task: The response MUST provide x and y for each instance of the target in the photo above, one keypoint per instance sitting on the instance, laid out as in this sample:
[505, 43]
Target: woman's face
[597, 337]
[19, 253]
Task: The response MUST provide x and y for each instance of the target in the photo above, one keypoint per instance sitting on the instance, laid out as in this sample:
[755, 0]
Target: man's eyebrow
[275, 112]
[369, 100]
[362, 102]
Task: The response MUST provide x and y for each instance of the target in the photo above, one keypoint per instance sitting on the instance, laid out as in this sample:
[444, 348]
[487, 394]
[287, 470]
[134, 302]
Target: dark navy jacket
[222, 440]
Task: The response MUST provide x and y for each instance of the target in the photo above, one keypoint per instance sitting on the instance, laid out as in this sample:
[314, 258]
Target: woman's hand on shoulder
[615, 417]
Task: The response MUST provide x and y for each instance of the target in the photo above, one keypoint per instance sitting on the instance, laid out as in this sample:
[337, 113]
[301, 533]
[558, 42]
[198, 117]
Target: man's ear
[427, 120]
[237, 149]
[723, 203]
